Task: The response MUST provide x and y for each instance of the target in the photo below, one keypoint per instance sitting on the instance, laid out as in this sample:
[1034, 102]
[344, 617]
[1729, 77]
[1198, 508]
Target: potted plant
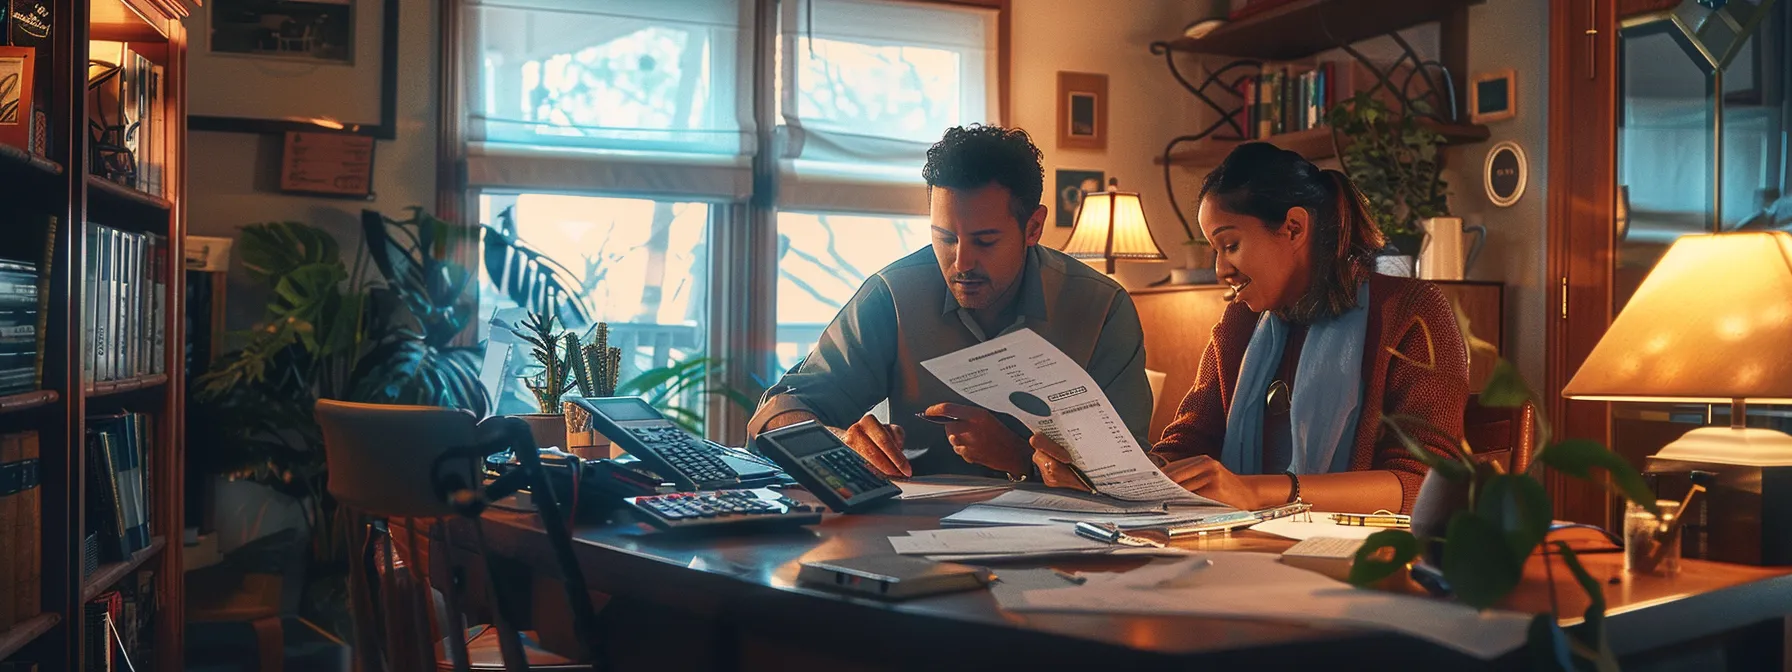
[1395, 162]
[1480, 525]
[567, 365]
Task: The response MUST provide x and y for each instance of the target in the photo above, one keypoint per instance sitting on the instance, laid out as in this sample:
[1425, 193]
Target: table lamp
[1712, 323]
[1111, 225]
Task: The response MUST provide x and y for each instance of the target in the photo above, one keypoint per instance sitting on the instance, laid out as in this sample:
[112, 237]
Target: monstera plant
[334, 330]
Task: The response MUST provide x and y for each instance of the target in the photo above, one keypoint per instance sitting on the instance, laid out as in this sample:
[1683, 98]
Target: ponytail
[1263, 181]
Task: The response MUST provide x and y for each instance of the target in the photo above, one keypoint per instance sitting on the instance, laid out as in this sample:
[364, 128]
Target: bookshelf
[1313, 143]
[49, 197]
[1305, 27]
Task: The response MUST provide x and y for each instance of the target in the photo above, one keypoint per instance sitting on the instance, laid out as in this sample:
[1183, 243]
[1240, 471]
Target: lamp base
[1750, 446]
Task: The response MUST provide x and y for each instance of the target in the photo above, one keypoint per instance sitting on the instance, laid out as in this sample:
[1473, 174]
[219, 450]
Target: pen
[1377, 519]
[1073, 578]
[937, 419]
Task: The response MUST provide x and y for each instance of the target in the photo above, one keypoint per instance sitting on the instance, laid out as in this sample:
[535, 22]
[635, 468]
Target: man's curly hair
[971, 157]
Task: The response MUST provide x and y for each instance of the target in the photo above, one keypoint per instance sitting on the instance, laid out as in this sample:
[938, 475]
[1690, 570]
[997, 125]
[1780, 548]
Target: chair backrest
[383, 459]
[1504, 435]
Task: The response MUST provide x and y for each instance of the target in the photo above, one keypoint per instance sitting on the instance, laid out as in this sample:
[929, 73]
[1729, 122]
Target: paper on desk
[985, 514]
[1256, 586]
[992, 543]
[1303, 527]
[1021, 374]
[1072, 502]
[929, 487]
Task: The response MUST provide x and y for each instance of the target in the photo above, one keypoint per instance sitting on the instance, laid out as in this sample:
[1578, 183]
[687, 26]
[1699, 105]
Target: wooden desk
[730, 602]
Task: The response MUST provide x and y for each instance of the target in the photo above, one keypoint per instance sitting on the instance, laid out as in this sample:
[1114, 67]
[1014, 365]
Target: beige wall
[1146, 106]
[233, 180]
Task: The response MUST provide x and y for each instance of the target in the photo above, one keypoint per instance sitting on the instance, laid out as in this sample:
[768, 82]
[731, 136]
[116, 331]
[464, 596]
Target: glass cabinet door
[1701, 148]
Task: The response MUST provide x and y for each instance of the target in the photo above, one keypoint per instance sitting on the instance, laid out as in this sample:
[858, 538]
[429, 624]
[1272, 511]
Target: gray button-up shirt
[904, 315]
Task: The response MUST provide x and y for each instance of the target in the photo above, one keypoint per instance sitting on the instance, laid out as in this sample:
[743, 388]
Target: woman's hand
[1053, 462]
[1208, 478]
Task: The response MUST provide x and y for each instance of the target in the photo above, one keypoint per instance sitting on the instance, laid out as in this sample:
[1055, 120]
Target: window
[639, 265]
[621, 136]
[822, 261]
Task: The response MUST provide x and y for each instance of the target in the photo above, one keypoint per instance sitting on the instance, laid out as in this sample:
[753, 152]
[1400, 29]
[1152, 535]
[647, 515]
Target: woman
[1315, 350]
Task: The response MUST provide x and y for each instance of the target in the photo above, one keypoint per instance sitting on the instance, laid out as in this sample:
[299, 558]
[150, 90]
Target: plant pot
[1197, 255]
[1404, 244]
[581, 439]
[1438, 500]
[549, 429]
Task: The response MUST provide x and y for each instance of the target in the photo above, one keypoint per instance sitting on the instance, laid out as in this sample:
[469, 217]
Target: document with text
[1023, 375]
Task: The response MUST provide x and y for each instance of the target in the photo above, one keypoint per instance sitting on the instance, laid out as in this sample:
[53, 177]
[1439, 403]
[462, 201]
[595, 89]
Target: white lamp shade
[1111, 225]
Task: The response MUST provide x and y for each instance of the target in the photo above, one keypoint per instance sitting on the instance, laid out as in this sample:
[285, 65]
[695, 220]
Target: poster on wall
[1073, 185]
[277, 54]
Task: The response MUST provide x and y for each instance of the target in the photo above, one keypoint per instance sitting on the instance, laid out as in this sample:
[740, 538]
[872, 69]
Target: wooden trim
[1630, 8]
[1582, 164]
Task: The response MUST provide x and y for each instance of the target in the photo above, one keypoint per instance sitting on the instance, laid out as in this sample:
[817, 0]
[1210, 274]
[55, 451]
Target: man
[984, 275]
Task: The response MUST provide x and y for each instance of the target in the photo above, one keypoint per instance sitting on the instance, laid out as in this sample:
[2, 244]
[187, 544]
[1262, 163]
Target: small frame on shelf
[16, 69]
[1493, 96]
[1082, 110]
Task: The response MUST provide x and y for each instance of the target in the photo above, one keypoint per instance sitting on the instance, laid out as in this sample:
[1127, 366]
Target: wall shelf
[1306, 27]
[25, 400]
[26, 632]
[113, 572]
[15, 156]
[104, 388]
[107, 190]
[1313, 143]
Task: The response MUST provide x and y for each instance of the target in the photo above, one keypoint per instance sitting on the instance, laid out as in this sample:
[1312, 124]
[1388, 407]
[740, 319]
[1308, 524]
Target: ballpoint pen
[937, 419]
[1381, 518]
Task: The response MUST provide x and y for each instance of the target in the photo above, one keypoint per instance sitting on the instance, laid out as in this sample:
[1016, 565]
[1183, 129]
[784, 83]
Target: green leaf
[1367, 568]
[1477, 562]
[1578, 457]
[1506, 387]
[1549, 645]
[1519, 507]
[1591, 631]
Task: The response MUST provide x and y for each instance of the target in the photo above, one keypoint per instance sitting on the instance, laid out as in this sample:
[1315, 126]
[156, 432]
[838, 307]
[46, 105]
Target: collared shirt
[904, 315]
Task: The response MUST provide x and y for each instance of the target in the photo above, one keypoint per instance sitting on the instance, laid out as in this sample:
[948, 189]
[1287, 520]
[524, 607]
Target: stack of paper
[930, 487]
[1029, 507]
[1010, 543]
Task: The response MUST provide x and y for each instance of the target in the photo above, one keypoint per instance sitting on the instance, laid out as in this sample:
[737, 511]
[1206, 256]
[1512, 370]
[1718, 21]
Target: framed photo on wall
[1082, 110]
[1072, 186]
[283, 52]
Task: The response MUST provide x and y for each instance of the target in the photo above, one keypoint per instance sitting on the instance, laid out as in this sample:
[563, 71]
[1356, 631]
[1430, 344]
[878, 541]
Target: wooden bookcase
[59, 185]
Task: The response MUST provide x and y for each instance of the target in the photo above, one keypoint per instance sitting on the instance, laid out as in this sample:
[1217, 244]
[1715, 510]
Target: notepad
[1331, 556]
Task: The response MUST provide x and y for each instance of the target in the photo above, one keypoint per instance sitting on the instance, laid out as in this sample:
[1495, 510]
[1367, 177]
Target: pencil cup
[581, 439]
[1651, 542]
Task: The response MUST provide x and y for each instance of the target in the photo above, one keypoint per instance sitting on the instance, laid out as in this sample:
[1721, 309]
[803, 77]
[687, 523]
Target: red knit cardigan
[1414, 360]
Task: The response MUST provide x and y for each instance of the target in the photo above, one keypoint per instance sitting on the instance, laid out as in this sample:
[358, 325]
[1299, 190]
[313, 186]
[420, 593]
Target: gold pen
[1378, 519]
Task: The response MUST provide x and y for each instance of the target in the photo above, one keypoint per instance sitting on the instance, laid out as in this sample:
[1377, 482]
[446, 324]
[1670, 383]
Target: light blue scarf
[1325, 401]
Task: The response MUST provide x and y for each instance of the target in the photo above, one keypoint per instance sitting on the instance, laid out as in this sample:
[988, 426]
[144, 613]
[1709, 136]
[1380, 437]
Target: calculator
[810, 453]
[714, 509]
[662, 446]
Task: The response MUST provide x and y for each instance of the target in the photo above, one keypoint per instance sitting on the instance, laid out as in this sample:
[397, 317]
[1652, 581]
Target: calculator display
[804, 444]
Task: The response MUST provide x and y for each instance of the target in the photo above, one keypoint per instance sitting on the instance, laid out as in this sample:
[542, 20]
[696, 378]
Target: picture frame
[1505, 173]
[17, 69]
[1072, 185]
[338, 165]
[1082, 110]
[297, 43]
[1493, 96]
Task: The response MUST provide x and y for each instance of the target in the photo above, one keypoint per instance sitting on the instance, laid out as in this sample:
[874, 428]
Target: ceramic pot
[549, 429]
[1438, 500]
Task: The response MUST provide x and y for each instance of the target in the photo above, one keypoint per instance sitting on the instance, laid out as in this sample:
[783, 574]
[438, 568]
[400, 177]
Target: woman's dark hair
[971, 157]
[1264, 182]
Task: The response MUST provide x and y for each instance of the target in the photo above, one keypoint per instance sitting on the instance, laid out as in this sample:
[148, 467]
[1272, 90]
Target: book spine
[43, 295]
[160, 302]
[28, 528]
[12, 529]
[89, 301]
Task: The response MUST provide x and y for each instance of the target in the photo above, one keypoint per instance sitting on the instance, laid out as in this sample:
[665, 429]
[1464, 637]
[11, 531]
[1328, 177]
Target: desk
[731, 602]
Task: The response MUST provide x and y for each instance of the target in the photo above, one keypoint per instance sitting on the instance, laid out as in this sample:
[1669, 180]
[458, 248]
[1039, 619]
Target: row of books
[121, 625]
[125, 277]
[1293, 97]
[119, 484]
[22, 315]
[21, 529]
[128, 143]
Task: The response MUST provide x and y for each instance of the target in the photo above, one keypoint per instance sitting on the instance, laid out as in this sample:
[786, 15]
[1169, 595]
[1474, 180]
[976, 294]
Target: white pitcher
[1445, 255]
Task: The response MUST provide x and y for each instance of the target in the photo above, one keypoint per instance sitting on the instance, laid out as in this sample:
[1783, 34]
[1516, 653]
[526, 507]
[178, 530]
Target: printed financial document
[1021, 374]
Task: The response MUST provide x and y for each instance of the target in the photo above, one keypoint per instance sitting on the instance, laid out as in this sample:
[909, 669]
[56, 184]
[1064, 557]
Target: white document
[1021, 374]
[929, 487]
[1009, 543]
[1256, 586]
[1072, 502]
[1303, 527]
[984, 515]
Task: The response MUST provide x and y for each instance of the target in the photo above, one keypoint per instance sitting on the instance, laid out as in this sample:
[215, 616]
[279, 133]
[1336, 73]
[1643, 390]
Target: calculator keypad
[686, 454]
[844, 472]
[721, 507]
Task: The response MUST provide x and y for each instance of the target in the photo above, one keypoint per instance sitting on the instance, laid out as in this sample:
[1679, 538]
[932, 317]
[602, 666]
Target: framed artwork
[16, 68]
[1082, 110]
[346, 47]
[327, 164]
[1073, 185]
[1493, 96]
[1505, 173]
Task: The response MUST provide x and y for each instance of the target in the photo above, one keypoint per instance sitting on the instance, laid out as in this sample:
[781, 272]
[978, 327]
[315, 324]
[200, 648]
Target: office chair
[425, 463]
[1504, 435]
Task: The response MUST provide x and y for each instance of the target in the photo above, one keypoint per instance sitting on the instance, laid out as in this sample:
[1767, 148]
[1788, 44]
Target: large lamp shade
[1110, 225]
[1712, 323]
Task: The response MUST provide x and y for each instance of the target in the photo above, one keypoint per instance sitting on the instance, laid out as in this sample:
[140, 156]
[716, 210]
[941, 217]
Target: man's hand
[1053, 462]
[979, 438]
[879, 444]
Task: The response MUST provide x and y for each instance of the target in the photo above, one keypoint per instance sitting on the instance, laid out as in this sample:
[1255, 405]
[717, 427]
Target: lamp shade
[1712, 323]
[1110, 225]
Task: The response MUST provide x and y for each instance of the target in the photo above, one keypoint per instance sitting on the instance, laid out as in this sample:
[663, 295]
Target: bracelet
[1294, 488]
